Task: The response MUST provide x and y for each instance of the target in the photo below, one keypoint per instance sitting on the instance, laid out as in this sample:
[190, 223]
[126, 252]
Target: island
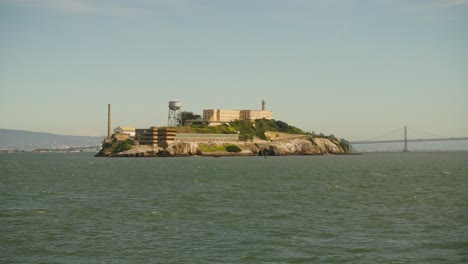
[260, 137]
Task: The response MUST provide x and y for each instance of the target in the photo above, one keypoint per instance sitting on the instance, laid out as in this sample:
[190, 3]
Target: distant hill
[28, 140]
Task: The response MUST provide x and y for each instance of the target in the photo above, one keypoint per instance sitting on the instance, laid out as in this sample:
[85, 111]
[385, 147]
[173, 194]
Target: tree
[282, 126]
[185, 116]
[233, 148]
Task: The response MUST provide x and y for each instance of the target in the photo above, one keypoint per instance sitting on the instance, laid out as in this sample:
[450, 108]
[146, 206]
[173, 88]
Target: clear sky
[352, 68]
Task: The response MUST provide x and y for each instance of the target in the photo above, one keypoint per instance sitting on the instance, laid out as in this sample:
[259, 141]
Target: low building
[125, 130]
[155, 136]
[121, 136]
[206, 138]
[147, 136]
[166, 135]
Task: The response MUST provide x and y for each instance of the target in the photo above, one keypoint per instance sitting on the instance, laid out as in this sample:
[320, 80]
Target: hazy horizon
[355, 69]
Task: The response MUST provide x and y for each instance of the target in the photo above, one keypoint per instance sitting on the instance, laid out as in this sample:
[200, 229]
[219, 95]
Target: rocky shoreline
[282, 147]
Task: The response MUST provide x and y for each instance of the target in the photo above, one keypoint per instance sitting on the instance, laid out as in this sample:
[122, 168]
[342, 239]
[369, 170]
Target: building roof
[126, 128]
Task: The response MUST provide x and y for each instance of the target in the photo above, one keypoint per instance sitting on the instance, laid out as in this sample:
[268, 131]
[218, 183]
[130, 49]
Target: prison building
[147, 136]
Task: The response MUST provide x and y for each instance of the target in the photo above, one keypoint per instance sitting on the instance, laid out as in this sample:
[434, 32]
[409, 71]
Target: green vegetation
[311, 139]
[344, 144]
[211, 147]
[247, 130]
[124, 145]
[216, 148]
[118, 146]
[233, 148]
[202, 129]
[185, 116]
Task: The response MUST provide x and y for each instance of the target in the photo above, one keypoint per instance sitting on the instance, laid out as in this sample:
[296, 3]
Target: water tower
[174, 119]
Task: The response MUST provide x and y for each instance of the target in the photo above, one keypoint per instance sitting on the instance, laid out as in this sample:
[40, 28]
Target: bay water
[371, 208]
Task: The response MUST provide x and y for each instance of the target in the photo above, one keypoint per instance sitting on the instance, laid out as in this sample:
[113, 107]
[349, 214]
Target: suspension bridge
[405, 140]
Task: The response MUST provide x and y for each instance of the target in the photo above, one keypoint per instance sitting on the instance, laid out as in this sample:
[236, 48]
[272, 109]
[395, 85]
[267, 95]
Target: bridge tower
[405, 149]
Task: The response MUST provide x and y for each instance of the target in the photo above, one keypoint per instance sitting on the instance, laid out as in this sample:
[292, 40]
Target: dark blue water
[375, 208]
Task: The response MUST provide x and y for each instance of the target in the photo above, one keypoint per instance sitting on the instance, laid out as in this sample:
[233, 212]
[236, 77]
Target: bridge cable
[371, 139]
[429, 134]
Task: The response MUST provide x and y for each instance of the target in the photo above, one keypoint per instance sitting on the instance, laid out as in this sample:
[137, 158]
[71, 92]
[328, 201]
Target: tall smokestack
[109, 127]
[263, 105]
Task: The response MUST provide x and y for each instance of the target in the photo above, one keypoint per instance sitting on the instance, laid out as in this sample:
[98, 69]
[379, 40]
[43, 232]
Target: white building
[125, 130]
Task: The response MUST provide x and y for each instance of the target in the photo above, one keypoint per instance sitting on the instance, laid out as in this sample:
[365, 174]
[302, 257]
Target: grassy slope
[248, 130]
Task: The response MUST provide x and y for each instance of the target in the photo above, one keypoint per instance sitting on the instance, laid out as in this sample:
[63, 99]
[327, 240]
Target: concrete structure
[206, 138]
[108, 139]
[220, 116]
[166, 135]
[121, 136]
[109, 127]
[163, 136]
[125, 130]
[154, 136]
[255, 114]
[147, 136]
[174, 118]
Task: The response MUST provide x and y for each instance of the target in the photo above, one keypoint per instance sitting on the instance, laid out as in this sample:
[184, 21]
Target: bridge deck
[409, 140]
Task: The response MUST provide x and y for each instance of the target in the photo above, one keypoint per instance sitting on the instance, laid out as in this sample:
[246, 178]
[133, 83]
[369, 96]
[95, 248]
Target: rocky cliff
[282, 146]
